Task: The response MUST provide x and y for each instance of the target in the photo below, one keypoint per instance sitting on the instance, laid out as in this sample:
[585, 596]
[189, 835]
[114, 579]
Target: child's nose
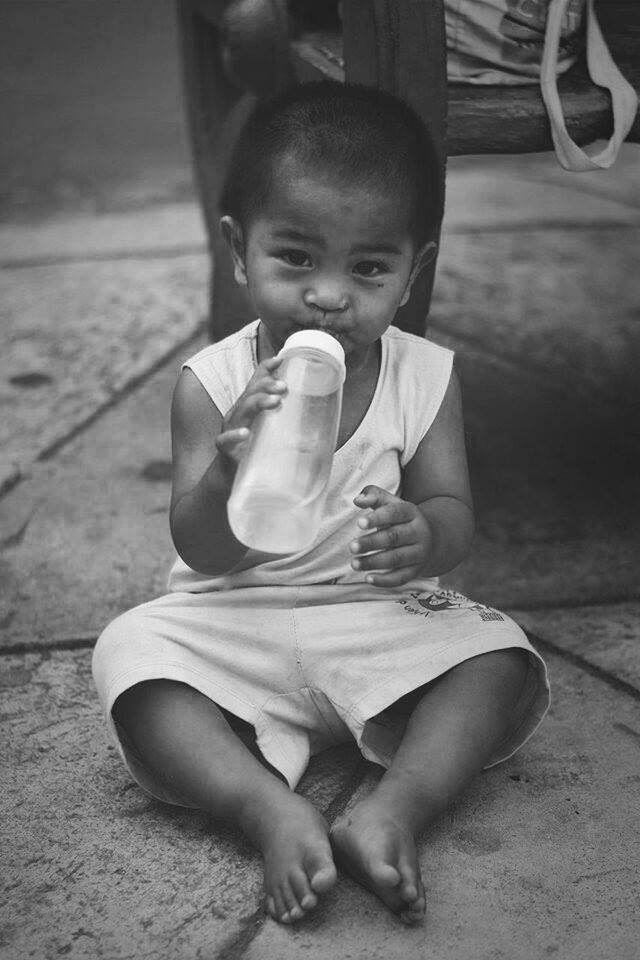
[327, 296]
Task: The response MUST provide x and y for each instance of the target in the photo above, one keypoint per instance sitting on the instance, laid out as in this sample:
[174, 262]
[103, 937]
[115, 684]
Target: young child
[331, 206]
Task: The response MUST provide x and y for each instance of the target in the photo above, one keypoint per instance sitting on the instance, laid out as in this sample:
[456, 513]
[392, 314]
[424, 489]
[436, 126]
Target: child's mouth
[323, 328]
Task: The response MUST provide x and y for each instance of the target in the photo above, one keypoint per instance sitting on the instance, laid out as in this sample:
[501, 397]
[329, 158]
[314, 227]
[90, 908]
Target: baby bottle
[281, 482]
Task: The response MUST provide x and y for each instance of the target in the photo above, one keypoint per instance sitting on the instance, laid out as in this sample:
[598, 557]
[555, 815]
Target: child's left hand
[400, 535]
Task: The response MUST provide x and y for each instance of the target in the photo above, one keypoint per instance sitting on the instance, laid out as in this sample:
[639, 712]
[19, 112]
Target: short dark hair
[345, 131]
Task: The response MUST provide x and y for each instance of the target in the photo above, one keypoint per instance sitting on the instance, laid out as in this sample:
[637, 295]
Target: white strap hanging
[604, 73]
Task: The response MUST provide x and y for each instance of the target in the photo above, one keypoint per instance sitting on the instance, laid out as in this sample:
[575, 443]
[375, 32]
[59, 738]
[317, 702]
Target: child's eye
[370, 268]
[295, 258]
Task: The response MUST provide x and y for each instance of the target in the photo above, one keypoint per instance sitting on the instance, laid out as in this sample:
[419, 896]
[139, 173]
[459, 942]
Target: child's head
[331, 206]
[346, 134]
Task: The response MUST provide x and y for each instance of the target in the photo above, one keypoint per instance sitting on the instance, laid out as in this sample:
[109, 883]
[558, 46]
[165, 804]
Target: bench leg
[401, 47]
[229, 306]
[413, 316]
[218, 40]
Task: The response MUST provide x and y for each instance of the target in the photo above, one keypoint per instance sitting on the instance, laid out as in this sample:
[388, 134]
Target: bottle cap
[314, 340]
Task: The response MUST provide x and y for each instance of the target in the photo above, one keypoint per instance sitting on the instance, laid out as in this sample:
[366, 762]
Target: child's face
[341, 260]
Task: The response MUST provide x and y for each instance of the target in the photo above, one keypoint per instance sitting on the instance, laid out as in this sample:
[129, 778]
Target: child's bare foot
[298, 864]
[380, 853]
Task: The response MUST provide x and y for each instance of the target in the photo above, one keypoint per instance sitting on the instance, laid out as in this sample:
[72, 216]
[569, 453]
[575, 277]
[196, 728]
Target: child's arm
[206, 449]
[429, 530]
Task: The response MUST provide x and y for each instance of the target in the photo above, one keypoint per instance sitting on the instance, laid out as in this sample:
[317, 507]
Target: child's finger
[372, 496]
[268, 385]
[246, 412]
[407, 556]
[391, 578]
[231, 442]
[388, 514]
[391, 537]
[269, 365]
[230, 437]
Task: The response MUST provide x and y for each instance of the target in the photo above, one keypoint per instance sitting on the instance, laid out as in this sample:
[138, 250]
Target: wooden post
[246, 39]
[400, 47]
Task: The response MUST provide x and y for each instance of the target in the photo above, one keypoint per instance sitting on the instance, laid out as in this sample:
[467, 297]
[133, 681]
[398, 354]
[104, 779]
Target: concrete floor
[103, 277]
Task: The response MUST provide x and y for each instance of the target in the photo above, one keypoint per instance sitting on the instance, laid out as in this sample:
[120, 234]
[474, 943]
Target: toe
[292, 907]
[305, 895]
[411, 917]
[281, 912]
[271, 908]
[408, 891]
[409, 879]
[323, 877]
[414, 913]
[384, 874]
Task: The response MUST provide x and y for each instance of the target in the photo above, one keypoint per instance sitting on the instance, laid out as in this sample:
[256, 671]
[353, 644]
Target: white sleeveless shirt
[413, 378]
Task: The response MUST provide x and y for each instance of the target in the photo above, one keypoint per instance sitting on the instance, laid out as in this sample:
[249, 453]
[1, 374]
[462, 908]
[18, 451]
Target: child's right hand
[263, 392]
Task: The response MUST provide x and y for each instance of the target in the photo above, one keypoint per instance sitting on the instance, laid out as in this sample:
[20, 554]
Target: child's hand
[263, 392]
[400, 536]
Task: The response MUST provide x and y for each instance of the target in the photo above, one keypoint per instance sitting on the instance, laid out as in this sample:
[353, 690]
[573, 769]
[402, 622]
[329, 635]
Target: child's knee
[510, 665]
[127, 642]
[506, 669]
[512, 660]
[136, 700]
[115, 638]
[145, 717]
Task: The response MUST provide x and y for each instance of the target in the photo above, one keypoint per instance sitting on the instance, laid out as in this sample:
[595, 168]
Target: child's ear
[232, 233]
[425, 255]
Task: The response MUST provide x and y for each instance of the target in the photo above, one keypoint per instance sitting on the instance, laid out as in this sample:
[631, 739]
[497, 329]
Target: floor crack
[134, 383]
[15, 538]
[34, 646]
[251, 926]
[338, 805]
[622, 686]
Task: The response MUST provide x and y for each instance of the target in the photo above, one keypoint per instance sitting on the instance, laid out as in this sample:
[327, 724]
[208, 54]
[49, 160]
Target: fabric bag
[527, 41]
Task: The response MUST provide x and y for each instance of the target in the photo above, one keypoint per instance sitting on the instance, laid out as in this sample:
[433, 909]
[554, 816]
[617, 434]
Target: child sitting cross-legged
[220, 691]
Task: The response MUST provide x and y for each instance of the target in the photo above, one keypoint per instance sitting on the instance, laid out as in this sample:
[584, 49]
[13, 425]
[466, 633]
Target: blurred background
[93, 113]
[92, 108]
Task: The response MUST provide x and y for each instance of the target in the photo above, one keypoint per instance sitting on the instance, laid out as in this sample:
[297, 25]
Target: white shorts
[310, 666]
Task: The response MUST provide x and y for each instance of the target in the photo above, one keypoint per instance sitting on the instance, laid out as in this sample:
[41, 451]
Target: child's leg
[184, 738]
[452, 732]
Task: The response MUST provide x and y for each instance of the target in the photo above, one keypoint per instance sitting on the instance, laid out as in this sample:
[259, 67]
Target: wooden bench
[236, 50]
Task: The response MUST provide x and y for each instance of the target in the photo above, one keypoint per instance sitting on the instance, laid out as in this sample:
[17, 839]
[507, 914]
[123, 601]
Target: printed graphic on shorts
[523, 27]
[447, 602]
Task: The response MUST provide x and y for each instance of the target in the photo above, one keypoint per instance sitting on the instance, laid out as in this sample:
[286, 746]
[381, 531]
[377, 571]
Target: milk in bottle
[280, 484]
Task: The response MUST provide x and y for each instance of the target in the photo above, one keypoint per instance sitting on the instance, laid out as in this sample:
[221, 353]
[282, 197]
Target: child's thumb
[371, 495]
[232, 442]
